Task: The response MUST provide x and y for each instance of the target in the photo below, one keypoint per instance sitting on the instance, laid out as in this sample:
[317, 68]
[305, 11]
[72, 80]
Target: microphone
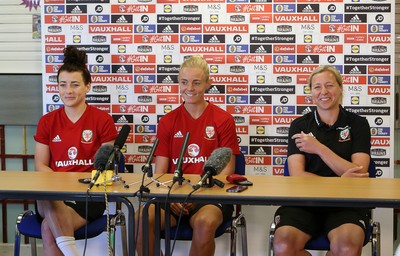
[118, 144]
[214, 165]
[100, 161]
[122, 136]
[147, 167]
[178, 169]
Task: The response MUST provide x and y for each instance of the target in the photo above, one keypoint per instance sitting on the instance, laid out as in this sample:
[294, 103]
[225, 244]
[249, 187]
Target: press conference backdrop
[260, 54]
[19, 53]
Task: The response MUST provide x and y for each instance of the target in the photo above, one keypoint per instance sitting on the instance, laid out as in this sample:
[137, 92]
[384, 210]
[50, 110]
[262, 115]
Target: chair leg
[118, 220]
[243, 233]
[124, 236]
[376, 239]
[271, 239]
[32, 242]
[233, 240]
[237, 222]
[17, 242]
[112, 239]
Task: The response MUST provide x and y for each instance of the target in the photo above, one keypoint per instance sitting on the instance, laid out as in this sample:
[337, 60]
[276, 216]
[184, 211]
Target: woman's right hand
[354, 173]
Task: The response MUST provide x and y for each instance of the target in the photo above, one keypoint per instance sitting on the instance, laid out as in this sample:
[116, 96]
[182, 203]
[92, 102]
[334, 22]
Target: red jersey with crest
[213, 129]
[73, 145]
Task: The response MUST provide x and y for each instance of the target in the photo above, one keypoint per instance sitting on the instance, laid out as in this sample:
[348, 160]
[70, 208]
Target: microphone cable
[107, 212]
[108, 217]
[139, 192]
[179, 218]
[86, 218]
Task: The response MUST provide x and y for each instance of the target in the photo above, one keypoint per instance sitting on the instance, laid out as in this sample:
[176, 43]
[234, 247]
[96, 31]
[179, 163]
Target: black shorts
[321, 220]
[226, 209]
[95, 209]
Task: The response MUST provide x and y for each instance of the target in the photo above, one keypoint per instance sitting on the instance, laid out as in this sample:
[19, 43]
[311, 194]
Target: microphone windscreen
[218, 160]
[122, 136]
[102, 155]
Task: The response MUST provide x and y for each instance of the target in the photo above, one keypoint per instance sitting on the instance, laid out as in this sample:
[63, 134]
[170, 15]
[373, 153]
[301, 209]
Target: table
[279, 190]
[32, 185]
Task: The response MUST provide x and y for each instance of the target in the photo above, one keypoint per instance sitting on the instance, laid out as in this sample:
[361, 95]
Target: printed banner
[260, 54]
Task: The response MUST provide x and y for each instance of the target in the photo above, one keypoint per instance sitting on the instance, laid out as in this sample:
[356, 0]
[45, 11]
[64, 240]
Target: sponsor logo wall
[260, 54]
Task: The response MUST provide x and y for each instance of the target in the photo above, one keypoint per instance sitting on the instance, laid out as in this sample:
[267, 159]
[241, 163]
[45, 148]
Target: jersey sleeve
[107, 129]
[293, 129]
[228, 136]
[42, 132]
[164, 138]
[361, 136]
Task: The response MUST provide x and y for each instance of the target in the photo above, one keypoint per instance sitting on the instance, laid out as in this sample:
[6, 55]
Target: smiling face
[193, 84]
[72, 89]
[326, 92]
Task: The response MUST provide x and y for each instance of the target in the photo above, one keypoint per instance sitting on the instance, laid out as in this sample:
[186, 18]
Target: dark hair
[75, 61]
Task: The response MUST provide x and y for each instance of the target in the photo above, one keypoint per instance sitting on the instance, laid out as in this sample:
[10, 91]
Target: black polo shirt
[350, 134]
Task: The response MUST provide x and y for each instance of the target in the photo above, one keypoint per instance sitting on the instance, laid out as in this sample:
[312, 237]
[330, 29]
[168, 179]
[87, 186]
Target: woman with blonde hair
[329, 142]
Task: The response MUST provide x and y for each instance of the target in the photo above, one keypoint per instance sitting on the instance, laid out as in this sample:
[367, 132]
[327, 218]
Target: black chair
[28, 225]
[321, 242]
[231, 226]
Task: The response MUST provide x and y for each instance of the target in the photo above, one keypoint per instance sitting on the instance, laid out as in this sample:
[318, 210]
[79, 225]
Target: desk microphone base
[173, 181]
[115, 178]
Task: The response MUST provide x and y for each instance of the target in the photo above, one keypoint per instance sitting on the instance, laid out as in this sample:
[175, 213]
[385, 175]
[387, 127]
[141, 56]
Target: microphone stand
[147, 168]
[117, 159]
[178, 174]
[180, 179]
[144, 188]
[149, 171]
[114, 160]
[211, 181]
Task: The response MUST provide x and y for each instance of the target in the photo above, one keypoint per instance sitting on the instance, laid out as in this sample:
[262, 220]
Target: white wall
[19, 51]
